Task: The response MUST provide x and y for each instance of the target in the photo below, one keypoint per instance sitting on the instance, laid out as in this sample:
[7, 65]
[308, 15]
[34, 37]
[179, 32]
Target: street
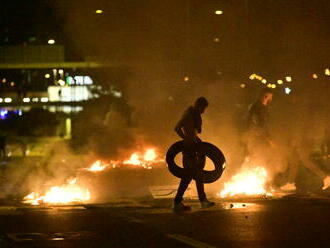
[286, 222]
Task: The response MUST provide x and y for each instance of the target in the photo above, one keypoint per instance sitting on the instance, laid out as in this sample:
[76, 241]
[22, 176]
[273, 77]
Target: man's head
[266, 96]
[201, 104]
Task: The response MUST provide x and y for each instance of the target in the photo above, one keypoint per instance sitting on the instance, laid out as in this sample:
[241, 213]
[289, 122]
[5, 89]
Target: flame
[64, 194]
[248, 182]
[145, 160]
[97, 166]
[150, 155]
[71, 192]
[134, 160]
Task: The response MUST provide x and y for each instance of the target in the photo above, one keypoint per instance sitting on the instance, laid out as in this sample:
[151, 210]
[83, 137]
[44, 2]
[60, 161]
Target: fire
[150, 155]
[134, 160]
[97, 166]
[248, 182]
[72, 192]
[67, 193]
[145, 160]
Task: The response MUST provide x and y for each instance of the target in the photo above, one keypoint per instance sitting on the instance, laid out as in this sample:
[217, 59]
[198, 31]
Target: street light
[99, 11]
[51, 41]
[287, 90]
[327, 72]
[288, 79]
[218, 12]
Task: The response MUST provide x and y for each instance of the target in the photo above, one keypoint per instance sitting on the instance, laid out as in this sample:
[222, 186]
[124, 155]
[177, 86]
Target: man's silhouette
[187, 128]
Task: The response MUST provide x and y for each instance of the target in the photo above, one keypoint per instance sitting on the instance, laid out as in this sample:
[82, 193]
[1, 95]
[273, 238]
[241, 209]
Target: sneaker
[180, 207]
[207, 204]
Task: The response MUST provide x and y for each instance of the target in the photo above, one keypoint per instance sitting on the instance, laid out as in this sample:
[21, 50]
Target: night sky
[270, 37]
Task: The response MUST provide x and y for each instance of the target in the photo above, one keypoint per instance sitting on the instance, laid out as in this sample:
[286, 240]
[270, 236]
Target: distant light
[315, 76]
[287, 90]
[288, 79]
[252, 76]
[280, 81]
[99, 11]
[35, 99]
[61, 82]
[264, 81]
[44, 99]
[269, 85]
[4, 80]
[26, 99]
[186, 79]
[242, 86]
[83, 80]
[327, 72]
[3, 114]
[51, 42]
[117, 94]
[216, 40]
[273, 86]
[47, 75]
[8, 99]
[69, 80]
[1, 100]
[60, 71]
[218, 12]
[12, 84]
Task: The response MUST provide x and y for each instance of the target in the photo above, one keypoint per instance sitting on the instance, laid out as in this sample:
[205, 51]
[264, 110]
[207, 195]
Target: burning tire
[206, 149]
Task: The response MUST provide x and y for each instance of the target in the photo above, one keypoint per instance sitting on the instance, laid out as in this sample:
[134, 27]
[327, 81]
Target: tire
[207, 149]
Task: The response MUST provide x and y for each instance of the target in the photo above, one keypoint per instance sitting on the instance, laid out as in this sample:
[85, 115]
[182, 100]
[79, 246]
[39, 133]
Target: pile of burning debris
[249, 182]
[76, 190]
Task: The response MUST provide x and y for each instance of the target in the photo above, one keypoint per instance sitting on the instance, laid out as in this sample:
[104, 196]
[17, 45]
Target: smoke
[156, 95]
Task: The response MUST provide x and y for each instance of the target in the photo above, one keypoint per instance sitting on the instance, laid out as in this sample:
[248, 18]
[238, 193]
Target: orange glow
[70, 192]
[247, 182]
[97, 166]
[144, 160]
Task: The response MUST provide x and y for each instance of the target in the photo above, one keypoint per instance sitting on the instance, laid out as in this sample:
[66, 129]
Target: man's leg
[187, 160]
[198, 176]
[182, 188]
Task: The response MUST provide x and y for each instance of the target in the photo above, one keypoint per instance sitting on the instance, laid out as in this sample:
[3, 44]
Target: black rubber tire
[207, 149]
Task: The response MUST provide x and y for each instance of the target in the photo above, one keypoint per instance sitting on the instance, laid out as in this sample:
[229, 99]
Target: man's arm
[178, 129]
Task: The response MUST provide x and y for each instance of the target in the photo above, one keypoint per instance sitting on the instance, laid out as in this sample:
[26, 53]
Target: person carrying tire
[187, 128]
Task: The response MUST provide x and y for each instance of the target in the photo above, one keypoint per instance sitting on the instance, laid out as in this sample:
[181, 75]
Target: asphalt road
[287, 222]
